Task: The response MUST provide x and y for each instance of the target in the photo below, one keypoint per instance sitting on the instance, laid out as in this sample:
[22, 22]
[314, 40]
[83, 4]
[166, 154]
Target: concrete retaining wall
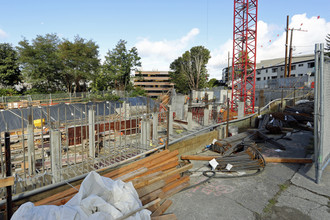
[195, 143]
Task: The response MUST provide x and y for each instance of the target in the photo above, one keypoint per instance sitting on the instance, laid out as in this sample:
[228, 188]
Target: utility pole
[286, 46]
[291, 49]
[228, 68]
[290, 53]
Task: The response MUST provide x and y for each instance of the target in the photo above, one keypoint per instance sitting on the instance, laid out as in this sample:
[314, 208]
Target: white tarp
[98, 198]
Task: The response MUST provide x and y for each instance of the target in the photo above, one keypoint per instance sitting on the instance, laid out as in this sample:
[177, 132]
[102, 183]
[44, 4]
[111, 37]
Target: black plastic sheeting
[12, 119]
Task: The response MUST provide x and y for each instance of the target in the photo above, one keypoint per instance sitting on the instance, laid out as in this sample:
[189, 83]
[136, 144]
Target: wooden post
[168, 128]
[294, 96]
[281, 101]
[227, 126]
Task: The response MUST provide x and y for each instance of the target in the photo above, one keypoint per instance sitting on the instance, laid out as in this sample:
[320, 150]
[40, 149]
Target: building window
[264, 78]
[293, 75]
[311, 65]
[300, 74]
[258, 72]
[266, 70]
[282, 68]
[258, 79]
[301, 64]
[274, 70]
[268, 77]
[293, 67]
[274, 77]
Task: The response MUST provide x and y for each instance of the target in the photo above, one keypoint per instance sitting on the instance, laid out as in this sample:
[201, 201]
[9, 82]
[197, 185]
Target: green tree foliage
[41, 66]
[138, 91]
[8, 92]
[189, 71]
[117, 67]
[327, 44]
[10, 74]
[80, 62]
[213, 83]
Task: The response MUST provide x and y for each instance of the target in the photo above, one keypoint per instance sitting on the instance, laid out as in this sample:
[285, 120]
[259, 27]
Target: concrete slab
[305, 178]
[282, 191]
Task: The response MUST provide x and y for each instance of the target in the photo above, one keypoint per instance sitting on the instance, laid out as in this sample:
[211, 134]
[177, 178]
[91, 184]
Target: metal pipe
[316, 110]
[321, 106]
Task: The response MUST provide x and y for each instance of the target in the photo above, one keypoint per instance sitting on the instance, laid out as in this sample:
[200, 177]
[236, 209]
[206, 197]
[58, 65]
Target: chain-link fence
[23, 101]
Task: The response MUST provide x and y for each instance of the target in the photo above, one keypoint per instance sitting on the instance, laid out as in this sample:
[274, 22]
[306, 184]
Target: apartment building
[154, 82]
[268, 70]
[274, 69]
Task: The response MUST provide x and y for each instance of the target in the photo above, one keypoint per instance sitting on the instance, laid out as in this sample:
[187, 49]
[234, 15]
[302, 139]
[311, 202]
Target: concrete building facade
[269, 70]
[274, 69]
[155, 83]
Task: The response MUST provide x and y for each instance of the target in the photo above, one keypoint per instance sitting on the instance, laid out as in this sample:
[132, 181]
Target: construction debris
[243, 158]
[155, 179]
[267, 159]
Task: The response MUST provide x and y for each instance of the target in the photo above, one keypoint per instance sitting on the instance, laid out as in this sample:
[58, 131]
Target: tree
[10, 73]
[214, 83]
[118, 65]
[138, 91]
[189, 71]
[327, 46]
[40, 64]
[80, 62]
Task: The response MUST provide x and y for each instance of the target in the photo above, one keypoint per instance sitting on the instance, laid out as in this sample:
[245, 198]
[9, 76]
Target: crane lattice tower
[244, 54]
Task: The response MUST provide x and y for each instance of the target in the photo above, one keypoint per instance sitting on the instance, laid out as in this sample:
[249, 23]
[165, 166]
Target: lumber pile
[155, 179]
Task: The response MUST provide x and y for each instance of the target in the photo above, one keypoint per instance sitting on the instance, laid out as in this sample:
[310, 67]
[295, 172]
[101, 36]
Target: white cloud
[160, 54]
[3, 34]
[271, 41]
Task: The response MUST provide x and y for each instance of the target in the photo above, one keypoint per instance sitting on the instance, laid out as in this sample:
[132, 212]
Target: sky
[163, 30]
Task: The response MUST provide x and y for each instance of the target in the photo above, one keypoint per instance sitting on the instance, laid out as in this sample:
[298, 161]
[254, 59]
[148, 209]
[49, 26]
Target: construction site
[236, 152]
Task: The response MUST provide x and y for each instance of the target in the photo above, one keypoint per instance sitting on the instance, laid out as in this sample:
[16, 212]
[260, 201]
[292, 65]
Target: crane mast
[244, 54]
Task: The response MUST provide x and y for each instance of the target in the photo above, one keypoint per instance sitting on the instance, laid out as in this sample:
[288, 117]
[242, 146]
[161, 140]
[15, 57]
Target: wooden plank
[172, 178]
[174, 158]
[150, 188]
[176, 183]
[150, 196]
[7, 181]
[148, 164]
[164, 167]
[154, 207]
[287, 160]
[163, 207]
[198, 157]
[133, 174]
[138, 183]
[135, 164]
[155, 194]
[60, 201]
[165, 217]
[58, 196]
[173, 191]
[148, 206]
[64, 196]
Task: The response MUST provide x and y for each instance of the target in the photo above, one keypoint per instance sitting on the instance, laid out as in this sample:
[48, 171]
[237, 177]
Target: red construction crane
[244, 54]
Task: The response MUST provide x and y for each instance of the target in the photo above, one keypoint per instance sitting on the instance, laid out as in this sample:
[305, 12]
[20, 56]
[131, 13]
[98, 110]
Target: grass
[273, 201]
